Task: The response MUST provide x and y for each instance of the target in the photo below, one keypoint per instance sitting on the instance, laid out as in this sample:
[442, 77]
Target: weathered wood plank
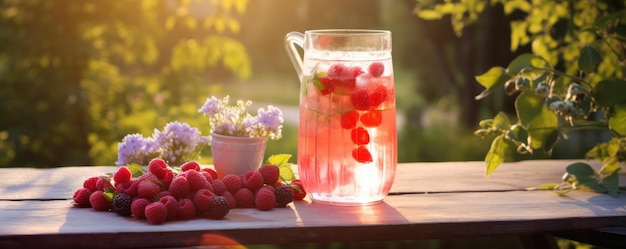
[60, 183]
[400, 217]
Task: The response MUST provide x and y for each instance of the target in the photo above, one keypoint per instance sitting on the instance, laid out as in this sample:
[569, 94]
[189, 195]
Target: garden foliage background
[77, 76]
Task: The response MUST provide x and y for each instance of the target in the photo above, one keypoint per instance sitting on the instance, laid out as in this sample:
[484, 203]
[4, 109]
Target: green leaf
[109, 194]
[510, 6]
[429, 14]
[545, 186]
[611, 184]
[500, 151]
[610, 92]
[518, 134]
[501, 122]
[528, 107]
[618, 121]
[135, 170]
[605, 151]
[610, 167]
[589, 60]
[524, 61]
[495, 76]
[580, 170]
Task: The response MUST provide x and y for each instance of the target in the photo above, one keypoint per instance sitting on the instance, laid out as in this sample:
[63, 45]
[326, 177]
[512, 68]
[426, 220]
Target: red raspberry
[167, 179]
[372, 118]
[103, 183]
[90, 183]
[207, 176]
[156, 213]
[158, 167]
[244, 198]
[129, 188]
[161, 194]
[148, 189]
[219, 207]
[351, 72]
[179, 187]
[270, 173]
[360, 99]
[197, 180]
[81, 197]
[349, 119]
[376, 69]
[336, 70]
[265, 200]
[362, 155]
[191, 165]
[122, 175]
[233, 183]
[202, 200]
[138, 207]
[231, 199]
[171, 204]
[185, 209]
[218, 187]
[360, 136]
[298, 190]
[378, 96]
[253, 180]
[98, 201]
[325, 86]
[211, 171]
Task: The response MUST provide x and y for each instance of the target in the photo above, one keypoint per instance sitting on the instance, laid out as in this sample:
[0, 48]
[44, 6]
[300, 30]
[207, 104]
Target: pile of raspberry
[161, 194]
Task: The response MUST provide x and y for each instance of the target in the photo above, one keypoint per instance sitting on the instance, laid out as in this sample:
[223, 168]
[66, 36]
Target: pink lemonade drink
[347, 143]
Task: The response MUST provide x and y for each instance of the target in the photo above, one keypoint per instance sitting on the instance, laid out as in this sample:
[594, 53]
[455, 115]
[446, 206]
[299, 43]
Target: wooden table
[428, 201]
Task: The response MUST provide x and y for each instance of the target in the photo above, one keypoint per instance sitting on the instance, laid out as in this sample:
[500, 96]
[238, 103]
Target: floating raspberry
[284, 195]
[98, 201]
[325, 85]
[90, 183]
[148, 189]
[171, 204]
[360, 99]
[202, 200]
[81, 197]
[122, 175]
[298, 190]
[185, 209]
[233, 183]
[218, 187]
[372, 118]
[121, 204]
[219, 207]
[270, 173]
[360, 136]
[265, 200]
[191, 165]
[156, 213]
[349, 119]
[158, 167]
[336, 70]
[244, 198]
[378, 96]
[376, 69]
[179, 187]
[362, 154]
[138, 207]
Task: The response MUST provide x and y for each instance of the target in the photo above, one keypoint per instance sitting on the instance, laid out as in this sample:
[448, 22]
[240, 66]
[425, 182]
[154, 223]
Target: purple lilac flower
[179, 142]
[136, 149]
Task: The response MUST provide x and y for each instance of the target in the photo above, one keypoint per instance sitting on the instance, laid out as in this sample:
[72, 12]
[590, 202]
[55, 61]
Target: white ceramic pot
[237, 155]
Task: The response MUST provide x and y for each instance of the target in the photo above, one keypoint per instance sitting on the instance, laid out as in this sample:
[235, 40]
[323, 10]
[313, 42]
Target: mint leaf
[135, 170]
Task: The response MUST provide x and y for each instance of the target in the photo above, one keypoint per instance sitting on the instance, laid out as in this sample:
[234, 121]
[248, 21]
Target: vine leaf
[589, 59]
[528, 107]
[610, 92]
[494, 77]
[618, 121]
[499, 152]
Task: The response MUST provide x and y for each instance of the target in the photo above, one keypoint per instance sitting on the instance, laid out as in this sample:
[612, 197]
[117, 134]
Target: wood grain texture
[429, 201]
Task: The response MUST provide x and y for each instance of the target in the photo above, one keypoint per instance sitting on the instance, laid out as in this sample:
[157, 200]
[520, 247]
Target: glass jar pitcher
[347, 142]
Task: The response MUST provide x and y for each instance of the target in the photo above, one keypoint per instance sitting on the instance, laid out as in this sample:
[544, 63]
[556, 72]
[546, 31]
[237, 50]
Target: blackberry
[121, 204]
[219, 207]
[284, 195]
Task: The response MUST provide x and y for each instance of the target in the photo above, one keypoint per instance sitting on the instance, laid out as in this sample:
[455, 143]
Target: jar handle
[291, 40]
